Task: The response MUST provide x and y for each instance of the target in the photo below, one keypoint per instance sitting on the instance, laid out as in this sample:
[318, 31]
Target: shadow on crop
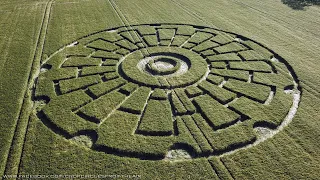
[300, 4]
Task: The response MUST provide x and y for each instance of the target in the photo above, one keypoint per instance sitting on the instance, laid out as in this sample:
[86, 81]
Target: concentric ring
[134, 64]
[163, 65]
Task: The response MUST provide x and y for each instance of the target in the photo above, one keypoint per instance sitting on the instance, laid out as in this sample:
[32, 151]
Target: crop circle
[146, 91]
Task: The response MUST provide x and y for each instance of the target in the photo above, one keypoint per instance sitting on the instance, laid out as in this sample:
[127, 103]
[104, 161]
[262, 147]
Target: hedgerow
[110, 62]
[279, 80]
[136, 102]
[106, 36]
[193, 91]
[59, 111]
[151, 40]
[146, 30]
[120, 126]
[106, 55]
[234, 74]
[131, 36]
[251, 55]
[159, 94]
[99, 109]
[219, 65]
[80, 50]
[122, 51]
[199, 37]
[215, 79]
[185, 100]
[189, 45]
[164, 42]
[197, 135]
[232, 47]
[217, 92]
[220, 169]
[97, 70]
[129, 88]
[218, 115]
[209, 52]
[179, 107]
[127, 45]
[185, 137]
[157, 118]
[259, 49]
[224, 57]
[163, 82]
[105, 87]
[204, 46]
[102, 45]
[69, 85]
[226, 139]
[185, 30]
[81, 61]
[166, 34]
[179, 40]
[273, 114]
[222, 39]
[111, 75]
[260, 66]
[255, 91]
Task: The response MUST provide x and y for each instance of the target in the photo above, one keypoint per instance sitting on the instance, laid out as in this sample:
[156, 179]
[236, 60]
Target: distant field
[159, 89]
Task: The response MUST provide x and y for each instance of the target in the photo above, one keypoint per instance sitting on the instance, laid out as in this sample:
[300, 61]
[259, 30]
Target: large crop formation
[144, 91]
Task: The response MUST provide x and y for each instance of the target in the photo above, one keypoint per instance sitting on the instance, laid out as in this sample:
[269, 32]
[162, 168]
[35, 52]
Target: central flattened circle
[163, 67]
[171, 64]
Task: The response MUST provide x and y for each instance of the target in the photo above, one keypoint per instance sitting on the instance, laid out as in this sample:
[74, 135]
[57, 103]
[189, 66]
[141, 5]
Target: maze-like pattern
[144, 89]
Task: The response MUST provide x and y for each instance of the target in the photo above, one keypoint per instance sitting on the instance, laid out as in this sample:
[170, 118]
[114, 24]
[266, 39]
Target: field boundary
[13, 161]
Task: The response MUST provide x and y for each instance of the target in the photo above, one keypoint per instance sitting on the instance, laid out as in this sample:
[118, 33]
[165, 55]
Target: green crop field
[172, 89]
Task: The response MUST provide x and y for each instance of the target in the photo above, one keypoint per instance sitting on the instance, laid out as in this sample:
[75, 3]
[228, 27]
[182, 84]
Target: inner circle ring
[164, 66]
[197, 68]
